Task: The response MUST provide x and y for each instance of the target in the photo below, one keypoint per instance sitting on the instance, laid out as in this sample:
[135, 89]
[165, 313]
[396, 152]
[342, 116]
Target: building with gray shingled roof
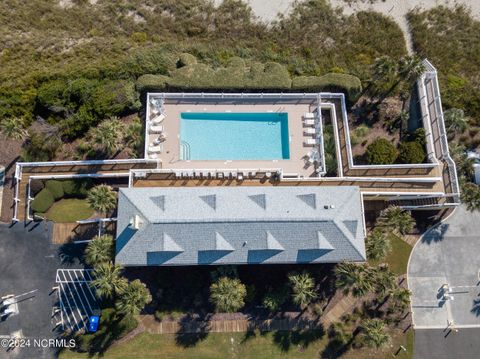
[239, 225]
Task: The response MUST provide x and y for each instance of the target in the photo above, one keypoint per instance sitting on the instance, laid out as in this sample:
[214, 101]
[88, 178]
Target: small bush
[381, 152]
[42, 201]
[351, 85]
[419, 136]
[114, 97]
[186, 60]
[361, 131]
[159, 315]
[411, 152]
[56, 188]
[274, 300]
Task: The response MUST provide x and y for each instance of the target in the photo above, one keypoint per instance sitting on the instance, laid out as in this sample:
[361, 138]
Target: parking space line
[76, 301]
[70, 307]
[75, 297]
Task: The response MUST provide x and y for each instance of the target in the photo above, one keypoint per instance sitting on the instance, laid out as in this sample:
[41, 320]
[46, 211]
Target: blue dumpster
[93, 321]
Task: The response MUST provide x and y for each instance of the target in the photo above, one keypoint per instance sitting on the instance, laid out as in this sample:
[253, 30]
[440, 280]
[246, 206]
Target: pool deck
[170, 155]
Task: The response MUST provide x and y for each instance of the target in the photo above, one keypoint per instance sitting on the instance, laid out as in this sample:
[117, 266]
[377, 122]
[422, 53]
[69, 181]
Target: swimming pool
[234, 136]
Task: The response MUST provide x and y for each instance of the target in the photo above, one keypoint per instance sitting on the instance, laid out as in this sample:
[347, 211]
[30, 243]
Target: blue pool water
[234, 136]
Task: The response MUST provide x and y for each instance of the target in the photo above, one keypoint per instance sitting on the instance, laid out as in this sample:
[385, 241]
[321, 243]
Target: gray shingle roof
[240, 225]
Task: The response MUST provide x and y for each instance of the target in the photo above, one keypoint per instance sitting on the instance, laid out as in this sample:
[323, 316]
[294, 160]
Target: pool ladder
[184, 151]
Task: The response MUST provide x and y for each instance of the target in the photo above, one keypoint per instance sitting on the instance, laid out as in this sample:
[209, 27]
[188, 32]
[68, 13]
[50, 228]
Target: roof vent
[136, 222]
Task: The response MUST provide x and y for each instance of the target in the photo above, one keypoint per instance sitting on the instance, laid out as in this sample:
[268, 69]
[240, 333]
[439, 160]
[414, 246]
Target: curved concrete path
[447, 254]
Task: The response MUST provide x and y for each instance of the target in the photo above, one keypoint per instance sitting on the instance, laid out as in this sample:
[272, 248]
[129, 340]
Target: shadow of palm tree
[192, 331]
[286, 339]
[436, 234]
[71, 253]
[476, 307]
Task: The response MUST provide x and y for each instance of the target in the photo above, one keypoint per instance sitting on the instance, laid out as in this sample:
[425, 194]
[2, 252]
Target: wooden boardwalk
[227, 326]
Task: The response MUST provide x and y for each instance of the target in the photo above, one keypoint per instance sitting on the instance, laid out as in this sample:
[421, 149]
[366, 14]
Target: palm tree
[385, 71]
[400, 298]
[108, 281]
[13, 128]
[228, 294]
[410, 69]
[373, 333]
[384, 280]
[134, 137]
[100, 250]
[377, 245]
[102, 198]
[354, 278]
[384, 68]
[464, 164]
[455, 121]
[470, 196]
[303, 289]
[396, 220]
[108, 135]
[134, 298]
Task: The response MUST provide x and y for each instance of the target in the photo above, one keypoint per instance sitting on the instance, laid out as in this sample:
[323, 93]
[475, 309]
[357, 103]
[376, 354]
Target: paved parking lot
[448, 254]
[77, 299]
[29, 262]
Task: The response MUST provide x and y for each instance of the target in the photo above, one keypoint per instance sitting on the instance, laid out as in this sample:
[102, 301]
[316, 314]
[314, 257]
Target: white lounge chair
[309, 131]
[158, 119]
[155, 129]
[154, 149]
[310, 142]
[309, 122]
[309, 115]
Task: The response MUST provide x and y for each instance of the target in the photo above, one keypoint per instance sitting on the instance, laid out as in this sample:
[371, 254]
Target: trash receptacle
[93, 321]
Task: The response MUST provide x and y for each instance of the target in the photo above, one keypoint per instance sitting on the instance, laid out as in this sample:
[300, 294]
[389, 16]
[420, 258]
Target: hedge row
[238, 75]
[55, 190]
[351, 85]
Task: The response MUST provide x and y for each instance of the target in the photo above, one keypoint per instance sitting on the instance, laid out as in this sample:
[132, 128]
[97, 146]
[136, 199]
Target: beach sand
[267, 10]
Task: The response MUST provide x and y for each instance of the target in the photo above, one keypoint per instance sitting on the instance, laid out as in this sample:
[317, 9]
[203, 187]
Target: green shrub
[381, 152]
[235, 76]
[186, 60]
[50, 94]
[361, 131]
[420, 136]
[274, 300]
[77, 188]
[411, 152]
[351, 85]
[151, 83]
[159, 315]
[114, 97]
[56, 188]
[40, 148]
[42, 201]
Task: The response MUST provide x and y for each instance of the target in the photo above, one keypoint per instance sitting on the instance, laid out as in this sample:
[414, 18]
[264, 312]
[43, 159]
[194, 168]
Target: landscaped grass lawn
[397, 259]
[238, 345]
[69, 210]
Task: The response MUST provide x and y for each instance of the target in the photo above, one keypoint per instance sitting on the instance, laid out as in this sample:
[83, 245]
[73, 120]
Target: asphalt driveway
[448, 254]
[28, 262]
